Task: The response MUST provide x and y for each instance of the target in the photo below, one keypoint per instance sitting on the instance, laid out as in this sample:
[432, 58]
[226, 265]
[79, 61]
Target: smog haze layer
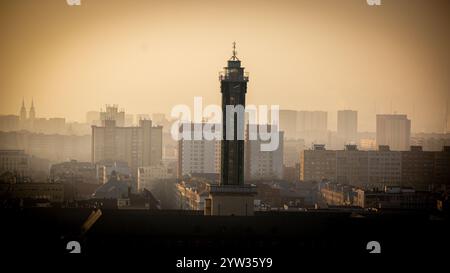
[148, 56]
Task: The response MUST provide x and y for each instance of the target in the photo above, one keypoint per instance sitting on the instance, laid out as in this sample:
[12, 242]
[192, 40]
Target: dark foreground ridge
[166, 235]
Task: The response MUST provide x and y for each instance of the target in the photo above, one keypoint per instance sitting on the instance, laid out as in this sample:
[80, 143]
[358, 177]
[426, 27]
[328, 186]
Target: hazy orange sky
[148, 56]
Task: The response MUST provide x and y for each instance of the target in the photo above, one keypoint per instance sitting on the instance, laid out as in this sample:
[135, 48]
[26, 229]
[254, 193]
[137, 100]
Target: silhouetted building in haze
[138, 146]
[347, 126]
[414, 168]
[197, 156]
[263, 164]
[394, 131]
[112, 112]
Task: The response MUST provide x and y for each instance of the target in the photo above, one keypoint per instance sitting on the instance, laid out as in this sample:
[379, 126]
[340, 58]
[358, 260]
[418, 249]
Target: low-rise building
[52, 192]
[389, 197]
[9, 123]
[335, 194]
[75, 171]
[148, 176]
[15, 161]
[56, 148]
[395, 197]
[191, 195]
[115, 188]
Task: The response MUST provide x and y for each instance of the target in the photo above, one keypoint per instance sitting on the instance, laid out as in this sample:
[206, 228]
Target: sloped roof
[114, 188]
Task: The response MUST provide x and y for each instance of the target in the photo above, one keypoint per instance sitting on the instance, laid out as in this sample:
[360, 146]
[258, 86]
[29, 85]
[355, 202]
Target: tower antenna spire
[234, 57]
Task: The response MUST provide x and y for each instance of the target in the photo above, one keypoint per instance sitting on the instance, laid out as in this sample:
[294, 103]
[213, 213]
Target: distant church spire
[23, 111]
[32, 110]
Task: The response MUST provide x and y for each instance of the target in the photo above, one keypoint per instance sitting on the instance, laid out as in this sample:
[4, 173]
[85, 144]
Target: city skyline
[225, 135]
[300, 48]
[133, 118]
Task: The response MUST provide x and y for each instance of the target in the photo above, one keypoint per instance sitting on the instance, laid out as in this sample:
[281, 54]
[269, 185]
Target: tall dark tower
[232, 196]
[233, 86]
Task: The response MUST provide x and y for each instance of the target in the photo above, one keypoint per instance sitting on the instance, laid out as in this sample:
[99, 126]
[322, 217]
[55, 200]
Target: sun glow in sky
[148, 56]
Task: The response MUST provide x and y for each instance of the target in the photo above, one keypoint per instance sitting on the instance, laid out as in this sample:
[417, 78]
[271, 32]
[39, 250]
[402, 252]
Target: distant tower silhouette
[32, 111]
[23, 112]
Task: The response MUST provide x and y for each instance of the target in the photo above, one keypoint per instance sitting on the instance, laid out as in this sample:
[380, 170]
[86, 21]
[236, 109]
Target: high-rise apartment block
[311, 126]
[288, 123]
[112, 112]
[138, 146]
[394, 131]
[197, 156]
[291, 151]
[347, 126]
[263, 165]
